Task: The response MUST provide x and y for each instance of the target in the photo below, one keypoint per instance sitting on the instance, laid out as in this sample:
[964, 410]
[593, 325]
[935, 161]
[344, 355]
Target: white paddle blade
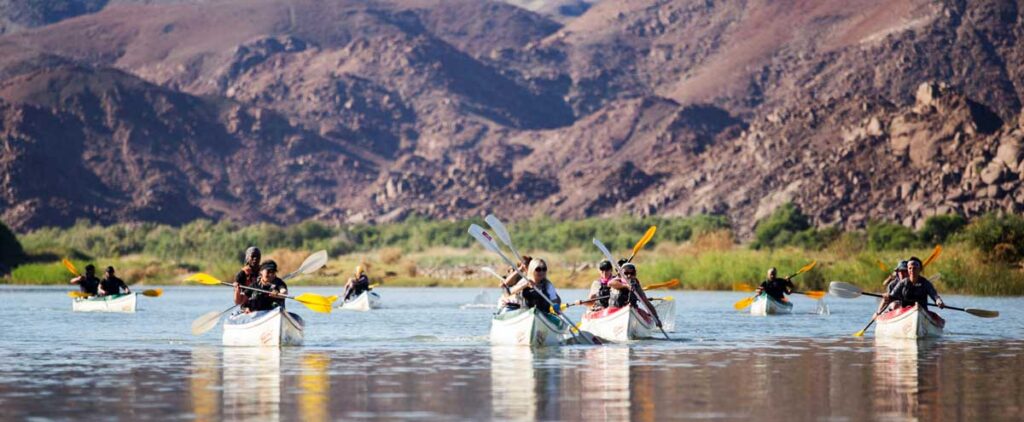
[315, 262]
[844, 290]
[205, 323]
[605, 251]
[502, 233]
[487, 241]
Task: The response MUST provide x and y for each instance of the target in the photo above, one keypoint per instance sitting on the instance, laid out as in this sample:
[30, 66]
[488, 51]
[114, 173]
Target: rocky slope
[359, 110]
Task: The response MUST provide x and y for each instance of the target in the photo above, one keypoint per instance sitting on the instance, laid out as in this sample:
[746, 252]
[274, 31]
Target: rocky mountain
[374, 110]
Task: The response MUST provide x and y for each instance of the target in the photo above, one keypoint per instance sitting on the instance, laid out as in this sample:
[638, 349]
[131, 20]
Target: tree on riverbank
[11, 252]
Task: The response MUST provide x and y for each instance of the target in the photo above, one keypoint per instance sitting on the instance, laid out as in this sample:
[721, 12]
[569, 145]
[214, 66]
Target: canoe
[528, 327]
[364, 302]
[666, 308]
[910, 322]
[619, 324]
[264, 328]
[112, 303]
[767, 305]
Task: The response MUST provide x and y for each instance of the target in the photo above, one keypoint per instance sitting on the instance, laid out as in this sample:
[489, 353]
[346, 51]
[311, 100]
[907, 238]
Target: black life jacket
[89, 285]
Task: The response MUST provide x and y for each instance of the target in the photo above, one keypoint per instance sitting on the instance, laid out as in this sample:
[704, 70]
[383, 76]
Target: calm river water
[422, 357]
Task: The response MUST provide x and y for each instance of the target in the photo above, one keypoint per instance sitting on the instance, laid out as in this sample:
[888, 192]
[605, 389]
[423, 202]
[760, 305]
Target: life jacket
[604, 292]
[89, 285]
[112, 285]
[259, 301]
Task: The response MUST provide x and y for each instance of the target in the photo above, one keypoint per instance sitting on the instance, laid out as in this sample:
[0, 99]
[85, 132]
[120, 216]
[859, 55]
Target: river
[424, 357]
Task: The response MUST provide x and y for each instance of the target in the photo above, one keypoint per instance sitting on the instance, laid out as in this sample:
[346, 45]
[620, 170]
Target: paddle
[642, 242]
[666, 285]
[487, 241]
[618, 269]
[935, 254]
[851, 291]
[70, 267]
[148, 292]
[882, 265]
[814, 294]
[502, 232]
[313, 263]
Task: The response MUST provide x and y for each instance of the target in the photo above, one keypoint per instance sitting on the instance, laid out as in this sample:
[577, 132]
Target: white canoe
[767, 305]
[619, 324]
[364, 302]
[910, 322]
[264, 328]
[112, 303]
[666, 307]
[527, 327]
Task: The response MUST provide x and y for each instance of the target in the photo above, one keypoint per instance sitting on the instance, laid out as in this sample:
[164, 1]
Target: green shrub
[780, 228]
[938, 228]
[889, 236]
[1000, 237]
[49, 273]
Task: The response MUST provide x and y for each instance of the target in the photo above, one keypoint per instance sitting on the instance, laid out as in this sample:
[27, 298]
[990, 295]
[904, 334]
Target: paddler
[112, 285]
[88, 283]
[915, 288]
[268, 280]
[536, 285]
[599, 289]
[509, 301]
[776, 287]
[629, 290]
[356, 286]
[899, 274]
[248, 275]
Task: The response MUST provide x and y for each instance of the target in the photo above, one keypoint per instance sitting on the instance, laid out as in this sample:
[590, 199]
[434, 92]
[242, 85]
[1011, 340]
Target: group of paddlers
[906, 287]
[258, 288]
[608, 291]
[91, 285]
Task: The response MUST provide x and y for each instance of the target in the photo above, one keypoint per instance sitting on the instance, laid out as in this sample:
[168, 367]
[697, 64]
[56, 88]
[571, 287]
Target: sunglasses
[630, 273]
[541, 269]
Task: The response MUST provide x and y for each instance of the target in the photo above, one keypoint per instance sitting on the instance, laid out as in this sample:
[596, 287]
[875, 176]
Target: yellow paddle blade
[153, 292]
[882, 265]
[666, 285]
[79, 295]
[70, 266]
[315, 302]
[744, 303]
[807, 267]
[935, 254]
[203, 278]
[643, 240]
[815, 294]
[668, 298]
[373, 286]
[742, 287]
[205, 322]
[859, 334]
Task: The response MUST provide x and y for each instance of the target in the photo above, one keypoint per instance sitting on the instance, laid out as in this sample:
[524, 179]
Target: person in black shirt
[112, 285]
[776, 287]
[248, 275]
[268, 280]
[88, 283]
[356, 286]
[916, 289]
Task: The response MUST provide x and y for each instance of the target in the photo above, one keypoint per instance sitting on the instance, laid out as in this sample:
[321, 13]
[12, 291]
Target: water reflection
[314, 387]
[513, 383]
[902, 371]
[605, 383]
[252, 383]
[204, 382]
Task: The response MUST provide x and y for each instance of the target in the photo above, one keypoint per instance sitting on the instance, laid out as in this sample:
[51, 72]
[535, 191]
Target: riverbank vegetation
[982, 256]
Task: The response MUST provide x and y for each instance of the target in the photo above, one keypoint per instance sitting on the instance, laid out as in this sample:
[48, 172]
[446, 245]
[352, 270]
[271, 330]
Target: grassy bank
[699, 251]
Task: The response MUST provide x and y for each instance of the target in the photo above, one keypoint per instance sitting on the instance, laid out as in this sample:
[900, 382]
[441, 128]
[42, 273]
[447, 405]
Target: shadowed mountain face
[274, 110]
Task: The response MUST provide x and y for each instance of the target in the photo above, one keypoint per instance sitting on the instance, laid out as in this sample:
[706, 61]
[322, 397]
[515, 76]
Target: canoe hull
[273, 328]
[527, 327]
[910, 322]
[364, 302]
[126, 303]
[619, 324]
[666, 308]
[767, 305]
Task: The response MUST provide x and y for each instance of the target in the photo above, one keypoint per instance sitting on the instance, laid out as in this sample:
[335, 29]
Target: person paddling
[88, 283]
[630, 292]
[508, 300]
[112, 285]
[356, 286]
[536, 285]
[599, 289]
[259, 301]
[916, 289]
[248, 275]
[899, 274]
[776, 287]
